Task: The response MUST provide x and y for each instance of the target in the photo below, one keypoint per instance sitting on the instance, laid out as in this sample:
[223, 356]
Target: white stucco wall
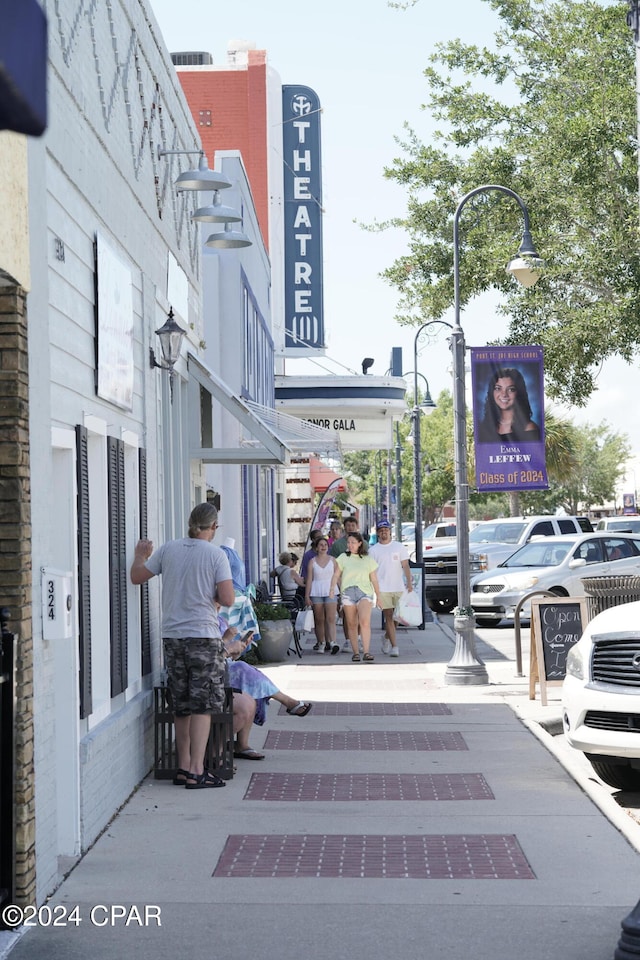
[113, 99]
[225, 274]
[14, 196]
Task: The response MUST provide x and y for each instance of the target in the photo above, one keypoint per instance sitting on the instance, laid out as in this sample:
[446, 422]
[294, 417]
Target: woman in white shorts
[319, 595]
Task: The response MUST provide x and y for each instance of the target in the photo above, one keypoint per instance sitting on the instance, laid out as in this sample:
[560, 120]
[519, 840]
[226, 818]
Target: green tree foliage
[584, 465]
[549, 112]
[600, 457]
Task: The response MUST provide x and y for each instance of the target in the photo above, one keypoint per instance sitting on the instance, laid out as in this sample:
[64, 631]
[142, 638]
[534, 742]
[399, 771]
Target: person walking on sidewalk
[356, 573]
[323, 600]
[340, 545]
[196, 576]
[394, 576]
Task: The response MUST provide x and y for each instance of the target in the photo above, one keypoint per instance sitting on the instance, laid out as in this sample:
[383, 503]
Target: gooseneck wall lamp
[464, 667]
[170, 335]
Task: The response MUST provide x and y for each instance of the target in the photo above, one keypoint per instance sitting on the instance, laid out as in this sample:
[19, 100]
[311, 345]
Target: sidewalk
[401, 818]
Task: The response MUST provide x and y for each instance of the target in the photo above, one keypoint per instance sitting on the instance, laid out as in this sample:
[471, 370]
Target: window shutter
[117, 565]
[84, 571]
[145, 631]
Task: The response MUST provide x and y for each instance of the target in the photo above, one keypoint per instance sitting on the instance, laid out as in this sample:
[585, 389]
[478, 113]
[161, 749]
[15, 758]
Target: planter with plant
[276, 631]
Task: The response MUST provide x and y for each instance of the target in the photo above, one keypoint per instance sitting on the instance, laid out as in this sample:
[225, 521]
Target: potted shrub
[276, 631]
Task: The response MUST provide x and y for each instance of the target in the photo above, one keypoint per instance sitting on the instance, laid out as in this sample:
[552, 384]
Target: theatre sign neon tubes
[304, 316]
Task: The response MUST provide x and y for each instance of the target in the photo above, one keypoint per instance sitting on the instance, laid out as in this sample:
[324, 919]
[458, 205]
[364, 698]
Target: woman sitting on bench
[247, 679]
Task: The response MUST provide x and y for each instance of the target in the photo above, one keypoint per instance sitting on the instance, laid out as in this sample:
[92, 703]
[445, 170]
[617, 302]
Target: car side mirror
[577, 562]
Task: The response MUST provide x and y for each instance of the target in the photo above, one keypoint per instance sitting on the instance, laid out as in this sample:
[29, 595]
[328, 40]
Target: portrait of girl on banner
[508, 417]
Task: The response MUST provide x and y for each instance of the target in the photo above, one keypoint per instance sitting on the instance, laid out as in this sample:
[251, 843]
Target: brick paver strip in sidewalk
[378, 710]
[414, 857]
[365, 740]
[368, 786]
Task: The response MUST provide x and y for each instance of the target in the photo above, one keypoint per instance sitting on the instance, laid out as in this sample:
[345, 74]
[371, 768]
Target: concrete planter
[276, 636]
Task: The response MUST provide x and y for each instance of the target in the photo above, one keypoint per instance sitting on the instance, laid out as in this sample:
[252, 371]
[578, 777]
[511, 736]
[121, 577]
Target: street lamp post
[464, 667]
[398, 485]
[415, 420]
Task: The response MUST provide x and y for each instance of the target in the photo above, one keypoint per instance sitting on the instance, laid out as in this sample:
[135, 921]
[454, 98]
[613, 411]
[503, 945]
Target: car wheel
[441, 606]
[617, 775]
[558, 592]
[486, 622]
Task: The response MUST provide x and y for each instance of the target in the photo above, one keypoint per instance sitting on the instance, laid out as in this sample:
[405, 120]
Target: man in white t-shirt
[394, 576]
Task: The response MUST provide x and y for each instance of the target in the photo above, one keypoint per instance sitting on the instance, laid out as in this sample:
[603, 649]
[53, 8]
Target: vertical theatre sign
[508, 418]
[304, 319]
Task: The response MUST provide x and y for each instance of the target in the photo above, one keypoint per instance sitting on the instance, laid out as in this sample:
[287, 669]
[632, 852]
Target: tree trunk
[514, 503]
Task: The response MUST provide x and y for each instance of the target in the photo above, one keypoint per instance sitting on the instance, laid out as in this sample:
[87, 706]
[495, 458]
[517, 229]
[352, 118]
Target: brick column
[15, 563]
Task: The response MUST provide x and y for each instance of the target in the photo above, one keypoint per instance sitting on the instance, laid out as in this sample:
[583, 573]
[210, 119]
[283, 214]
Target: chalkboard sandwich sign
[556, 624]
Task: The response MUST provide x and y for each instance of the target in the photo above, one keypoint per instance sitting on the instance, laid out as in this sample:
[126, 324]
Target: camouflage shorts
[195, 675]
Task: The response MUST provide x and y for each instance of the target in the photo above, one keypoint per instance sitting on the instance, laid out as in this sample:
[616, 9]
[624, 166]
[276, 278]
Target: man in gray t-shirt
[195, 577]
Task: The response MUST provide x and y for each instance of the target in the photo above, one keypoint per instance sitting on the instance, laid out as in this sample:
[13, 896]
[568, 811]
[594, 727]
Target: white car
[556, 564]
[600, 696]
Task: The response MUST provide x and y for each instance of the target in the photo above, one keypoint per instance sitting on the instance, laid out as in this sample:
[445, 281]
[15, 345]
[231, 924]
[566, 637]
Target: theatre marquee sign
[303, 293]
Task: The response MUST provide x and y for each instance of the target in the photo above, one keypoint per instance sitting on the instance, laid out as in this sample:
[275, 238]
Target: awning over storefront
[274, 436]
[321, 476]
[361, 410]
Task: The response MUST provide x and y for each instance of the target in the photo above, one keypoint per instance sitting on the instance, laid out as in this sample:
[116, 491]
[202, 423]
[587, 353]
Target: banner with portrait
[508, 418]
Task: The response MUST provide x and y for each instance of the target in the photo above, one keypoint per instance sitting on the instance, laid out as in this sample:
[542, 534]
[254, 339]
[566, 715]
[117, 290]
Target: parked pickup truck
[435, 535]
[490, 542]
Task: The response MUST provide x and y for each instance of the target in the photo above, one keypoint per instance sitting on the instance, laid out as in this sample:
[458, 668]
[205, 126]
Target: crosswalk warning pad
[365, 740]
[334, 709]
[413, 857]
[302, 787]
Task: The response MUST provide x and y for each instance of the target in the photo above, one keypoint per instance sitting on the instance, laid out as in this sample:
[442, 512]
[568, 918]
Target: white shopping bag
[408, 609]
[304, 620]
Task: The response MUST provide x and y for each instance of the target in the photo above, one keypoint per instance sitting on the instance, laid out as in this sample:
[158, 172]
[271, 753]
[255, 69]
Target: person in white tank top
[317, 592]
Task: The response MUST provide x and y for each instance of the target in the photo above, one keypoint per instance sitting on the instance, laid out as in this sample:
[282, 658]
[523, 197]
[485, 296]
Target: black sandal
[183, 774]
[356, 658]
[368, 658]
[300, 710]
[203, 780]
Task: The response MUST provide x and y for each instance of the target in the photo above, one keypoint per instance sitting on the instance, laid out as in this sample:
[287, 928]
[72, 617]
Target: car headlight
[478, 562]
[524, 583]
[575, 663]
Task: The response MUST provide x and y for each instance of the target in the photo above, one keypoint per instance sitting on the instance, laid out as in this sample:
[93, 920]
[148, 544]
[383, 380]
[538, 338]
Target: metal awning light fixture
[228, 239]
[217, 212]
[170, 335]
[203, 178]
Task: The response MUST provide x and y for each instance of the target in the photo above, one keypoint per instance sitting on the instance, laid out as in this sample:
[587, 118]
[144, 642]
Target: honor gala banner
[508, 418]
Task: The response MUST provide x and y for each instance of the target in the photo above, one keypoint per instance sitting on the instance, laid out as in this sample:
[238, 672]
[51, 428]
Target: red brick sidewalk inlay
[415, 857]
[379, 710]
[365, 740]
[368, 786]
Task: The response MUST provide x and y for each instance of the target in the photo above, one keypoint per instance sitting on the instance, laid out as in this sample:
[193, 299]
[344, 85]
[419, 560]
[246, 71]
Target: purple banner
[508, 418]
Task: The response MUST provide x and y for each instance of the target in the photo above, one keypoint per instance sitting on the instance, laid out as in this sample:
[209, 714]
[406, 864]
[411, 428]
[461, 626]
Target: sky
[365, 61]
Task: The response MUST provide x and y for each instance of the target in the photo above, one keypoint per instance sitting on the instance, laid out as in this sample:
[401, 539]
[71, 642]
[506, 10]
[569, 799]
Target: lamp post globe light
[464, 667]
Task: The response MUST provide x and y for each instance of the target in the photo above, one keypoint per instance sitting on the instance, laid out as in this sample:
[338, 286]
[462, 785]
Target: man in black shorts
[195, 577]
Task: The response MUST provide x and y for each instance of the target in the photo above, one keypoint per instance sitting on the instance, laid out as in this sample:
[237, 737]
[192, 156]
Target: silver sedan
[556, 564]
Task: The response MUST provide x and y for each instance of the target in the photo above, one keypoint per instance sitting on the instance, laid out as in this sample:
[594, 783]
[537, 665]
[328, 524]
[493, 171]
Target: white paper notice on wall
[56, 604]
